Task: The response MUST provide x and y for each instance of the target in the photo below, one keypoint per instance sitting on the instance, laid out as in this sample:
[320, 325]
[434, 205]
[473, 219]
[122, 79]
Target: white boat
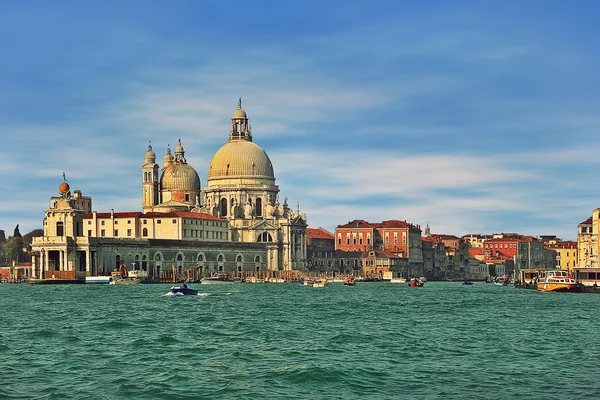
[398, 280]
[119, 280]
[97, 279]
[319, 283]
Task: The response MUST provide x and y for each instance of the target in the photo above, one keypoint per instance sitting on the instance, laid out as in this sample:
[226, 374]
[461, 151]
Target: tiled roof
[90, 215]
[319, 233]
[586, 222]
[394, 223]
[357, 223]
[182, 214]
[186, 214]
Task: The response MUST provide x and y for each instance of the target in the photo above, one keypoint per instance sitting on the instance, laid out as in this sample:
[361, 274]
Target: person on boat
[184, 286]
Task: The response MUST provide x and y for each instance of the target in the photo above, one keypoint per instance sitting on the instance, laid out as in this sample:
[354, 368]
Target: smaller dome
[64, 187]
[239, 114]
[150, 154]
[168, 157]
[180, 177]
[179, 148]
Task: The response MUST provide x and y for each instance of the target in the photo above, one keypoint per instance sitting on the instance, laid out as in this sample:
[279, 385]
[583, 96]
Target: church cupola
[240, 129]
[179, 153]
[169, 159]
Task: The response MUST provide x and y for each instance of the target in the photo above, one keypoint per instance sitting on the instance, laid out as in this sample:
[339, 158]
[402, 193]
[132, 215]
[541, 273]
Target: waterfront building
[501, 249]
[566, 252]
[389, 246]
[456, 255]
[533, 254]
[588, 245]
[236, 225]
[475, 240]
[434, 257]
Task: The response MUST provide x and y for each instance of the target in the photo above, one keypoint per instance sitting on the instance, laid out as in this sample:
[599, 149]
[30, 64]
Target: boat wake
[181, 294]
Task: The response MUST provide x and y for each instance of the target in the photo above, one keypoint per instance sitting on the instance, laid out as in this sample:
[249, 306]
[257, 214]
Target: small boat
[120, 280]
[556, 281]
[217, 278]
[398, 280]
[319, 283]
[349, 281]
[97, 279]
[183, 290]
[415, 282]
[467, 282]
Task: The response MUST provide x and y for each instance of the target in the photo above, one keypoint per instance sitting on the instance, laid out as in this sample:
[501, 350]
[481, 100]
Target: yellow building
[566, 254]
[588, 246]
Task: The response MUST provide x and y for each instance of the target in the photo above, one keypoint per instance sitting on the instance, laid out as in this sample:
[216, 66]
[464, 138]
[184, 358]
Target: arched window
[239, 258]
[258, 207]
[223, 207]
[220, 258]
[200, 257]
[265, 237]
[145, 232]
[257, 259]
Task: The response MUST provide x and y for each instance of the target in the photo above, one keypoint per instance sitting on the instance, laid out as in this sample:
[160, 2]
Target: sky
[469, 116]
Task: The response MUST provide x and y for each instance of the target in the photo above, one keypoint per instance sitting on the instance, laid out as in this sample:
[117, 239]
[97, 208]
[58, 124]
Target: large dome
[180, 177]
[240, 158]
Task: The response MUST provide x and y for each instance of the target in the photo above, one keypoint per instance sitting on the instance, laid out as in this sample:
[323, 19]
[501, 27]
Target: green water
[285, 341]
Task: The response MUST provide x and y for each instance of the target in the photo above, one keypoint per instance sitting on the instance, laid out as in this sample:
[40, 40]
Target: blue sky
[472, 116]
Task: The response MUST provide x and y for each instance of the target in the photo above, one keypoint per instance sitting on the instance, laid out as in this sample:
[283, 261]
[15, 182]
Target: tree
[13, 248]
[2, 236]
[17, 233]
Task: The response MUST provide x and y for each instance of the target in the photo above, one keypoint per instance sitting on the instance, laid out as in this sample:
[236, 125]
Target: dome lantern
[240, 129]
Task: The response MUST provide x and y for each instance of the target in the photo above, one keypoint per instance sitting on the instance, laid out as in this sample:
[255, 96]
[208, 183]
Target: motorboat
[97, 279]
[123, 280]
[415, 282]
[556, 281]
[398, 280]
[349, 281]
[183, 290]
[319, 283]
[467, 282]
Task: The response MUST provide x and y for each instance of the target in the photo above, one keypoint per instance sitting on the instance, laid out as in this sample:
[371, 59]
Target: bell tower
[149, 180]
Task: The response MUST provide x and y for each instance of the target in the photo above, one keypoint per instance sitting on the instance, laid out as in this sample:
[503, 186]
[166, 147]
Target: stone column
[88, 263]
[33, 266]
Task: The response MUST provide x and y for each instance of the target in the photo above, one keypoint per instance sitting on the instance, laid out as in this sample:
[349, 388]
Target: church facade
[233, 226]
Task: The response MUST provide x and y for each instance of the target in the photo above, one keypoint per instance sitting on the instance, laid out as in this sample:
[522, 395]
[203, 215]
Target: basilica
[234, 225]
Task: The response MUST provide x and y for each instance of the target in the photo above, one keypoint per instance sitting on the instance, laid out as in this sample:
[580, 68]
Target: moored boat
[349, 281]
[556, 281]
[120, 280]
[398, 280]
[319, 283]
[218, 278]
[97, 279]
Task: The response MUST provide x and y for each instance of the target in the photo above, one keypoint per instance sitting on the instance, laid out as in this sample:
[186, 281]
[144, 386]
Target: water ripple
[371, 341]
